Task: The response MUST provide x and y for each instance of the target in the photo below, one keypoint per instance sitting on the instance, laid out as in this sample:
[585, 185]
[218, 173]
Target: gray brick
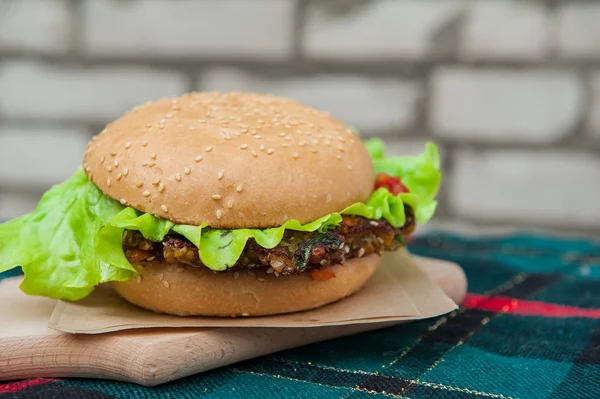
[383, 29]
[554, 187]
[371, 104]
[13, 204]
[534, 106]
[36, 157]
[505, 30]
[34, 25]
[251, 29]
[29, 90]
[579, 31]
[594, 112]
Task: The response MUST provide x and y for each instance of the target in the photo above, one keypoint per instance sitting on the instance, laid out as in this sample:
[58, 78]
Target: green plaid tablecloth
[529, 328]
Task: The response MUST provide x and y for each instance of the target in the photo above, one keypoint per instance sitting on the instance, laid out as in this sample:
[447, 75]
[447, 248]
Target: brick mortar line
[308, 66]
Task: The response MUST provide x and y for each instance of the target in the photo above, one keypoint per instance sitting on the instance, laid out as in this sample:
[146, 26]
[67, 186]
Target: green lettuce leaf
[56, 243]
[73, 240]
[420, 174]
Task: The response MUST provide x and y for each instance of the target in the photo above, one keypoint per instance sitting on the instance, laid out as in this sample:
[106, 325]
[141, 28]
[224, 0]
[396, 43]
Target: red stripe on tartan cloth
[526, 308]
[20, 385]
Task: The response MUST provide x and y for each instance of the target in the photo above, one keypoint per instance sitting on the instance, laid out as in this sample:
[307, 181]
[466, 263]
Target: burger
[223, 204]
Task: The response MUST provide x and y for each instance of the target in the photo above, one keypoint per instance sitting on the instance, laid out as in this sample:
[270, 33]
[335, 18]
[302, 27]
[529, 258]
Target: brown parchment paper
[399, 291]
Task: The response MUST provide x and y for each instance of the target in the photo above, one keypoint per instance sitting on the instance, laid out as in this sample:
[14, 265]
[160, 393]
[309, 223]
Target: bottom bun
[187, 291]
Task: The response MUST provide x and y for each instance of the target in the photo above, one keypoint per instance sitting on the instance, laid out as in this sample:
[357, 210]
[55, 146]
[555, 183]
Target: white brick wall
[546, 188]
[34, 25]
[189, 29]
[381, 29]
[99, 94]
[505, 30]
[13, 204]
[496, 105]
[579, 30]
[371, 104]
[39, 156]
[593, 122]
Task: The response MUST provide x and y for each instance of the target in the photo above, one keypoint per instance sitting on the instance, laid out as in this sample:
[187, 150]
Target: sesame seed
[216, 196]
[284, 145]
[201, 121]
[166, 283]
[315, 141]
[237, 133]
[244, 130]
[230, 204]
[150, 259]
[254, 154]
[262, 147]
[349, 167]
[347, 250]
[125, 172]
[198, 158]
[127, 146]
[153, 156]
[282, 134]
[328, 198]
[314, 150]
[208, 149]
[244, 146]
[361, 252]
[374, 223]
[302, 143]
[109, 168]
[119, 176]
[261, 279]
[108, 182]
[236, 275]
[295, 155]
[187, 171]
[245, 314]
[138, 279]
[191, 127]
[123, 201]
[270, 270]
[139, 184]
[151, 164]
[220, 174]
[164, 208]
[240, 188]
[340, 138]
[227, 137]
[327, 142]
[219, 213]
[161, 127]
[288, 138]
[168, 115]
[146, 193]
[177, 177]
[116, 163]
[340, 148]
[161, 188]
[156, 181]
[323, 262]
[144, 143]
[339, 157]
[270, 151]
[148, 124]
[162, 121]
[103, 159]
[253, 132]
[258, 136]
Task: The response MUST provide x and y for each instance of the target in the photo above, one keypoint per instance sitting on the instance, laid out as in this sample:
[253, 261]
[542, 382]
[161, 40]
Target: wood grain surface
[155, 356]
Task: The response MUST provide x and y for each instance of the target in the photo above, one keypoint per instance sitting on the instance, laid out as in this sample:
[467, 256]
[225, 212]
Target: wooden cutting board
[155, 356]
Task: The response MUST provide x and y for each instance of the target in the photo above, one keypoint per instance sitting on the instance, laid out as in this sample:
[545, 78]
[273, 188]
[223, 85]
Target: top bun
[232, 160]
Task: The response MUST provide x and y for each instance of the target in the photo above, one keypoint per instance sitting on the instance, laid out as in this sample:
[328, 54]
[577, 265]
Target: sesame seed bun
[232, 160]
[187, 291]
